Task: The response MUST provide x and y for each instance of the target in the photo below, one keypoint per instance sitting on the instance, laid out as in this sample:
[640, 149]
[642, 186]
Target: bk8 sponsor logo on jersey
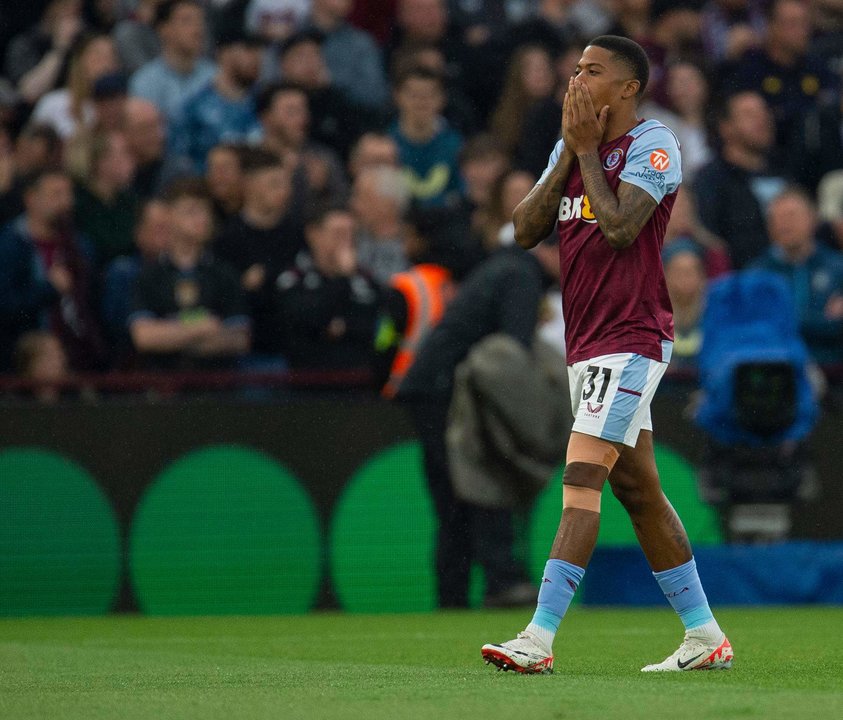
[577, 208]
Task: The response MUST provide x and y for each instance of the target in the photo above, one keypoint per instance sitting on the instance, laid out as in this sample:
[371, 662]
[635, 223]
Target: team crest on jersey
[613, 159]
[660, 160]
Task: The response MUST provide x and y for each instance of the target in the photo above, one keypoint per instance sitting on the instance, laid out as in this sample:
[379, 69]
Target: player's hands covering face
[582, 127]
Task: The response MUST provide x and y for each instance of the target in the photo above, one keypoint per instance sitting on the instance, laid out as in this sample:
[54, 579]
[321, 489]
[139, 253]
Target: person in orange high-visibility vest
[416, 298]
[426, 288]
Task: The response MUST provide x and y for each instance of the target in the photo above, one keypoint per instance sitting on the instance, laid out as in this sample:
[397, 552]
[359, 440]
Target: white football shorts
[611, 395]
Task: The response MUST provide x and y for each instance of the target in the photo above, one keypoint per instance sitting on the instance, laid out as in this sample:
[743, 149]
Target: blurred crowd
[249, 184]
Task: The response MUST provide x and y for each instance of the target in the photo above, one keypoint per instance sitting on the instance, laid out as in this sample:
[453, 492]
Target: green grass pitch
[789, 664]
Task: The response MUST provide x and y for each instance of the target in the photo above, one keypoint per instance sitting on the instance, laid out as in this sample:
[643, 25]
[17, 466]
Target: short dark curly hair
[630, 53]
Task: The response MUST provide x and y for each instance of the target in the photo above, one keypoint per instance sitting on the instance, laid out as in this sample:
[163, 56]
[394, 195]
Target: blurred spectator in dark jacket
[152, 238]
[337, 121]
[180, 70]
[46, 271]
[427, 146]
[106, 206]
[734, 189]
[224, 175]
[351, 55]
[224, 109]
[813, 271]
[36, 148]
[482, 164]
[796, 85]
[146, 135]
[35, 58]
[189, 310]
[262, 239]
[285, 121]
[327, 306]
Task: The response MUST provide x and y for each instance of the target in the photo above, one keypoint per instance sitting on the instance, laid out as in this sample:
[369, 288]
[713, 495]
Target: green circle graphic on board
[383, 536]
[679, 482]
[225, 530]
[59, 540]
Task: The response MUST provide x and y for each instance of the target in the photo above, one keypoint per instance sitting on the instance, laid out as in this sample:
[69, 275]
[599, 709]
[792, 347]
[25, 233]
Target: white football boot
[696, 654]
[522, 655]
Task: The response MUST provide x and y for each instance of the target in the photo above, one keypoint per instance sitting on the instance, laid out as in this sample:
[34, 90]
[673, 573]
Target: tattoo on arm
[536, 215]
[621, 217]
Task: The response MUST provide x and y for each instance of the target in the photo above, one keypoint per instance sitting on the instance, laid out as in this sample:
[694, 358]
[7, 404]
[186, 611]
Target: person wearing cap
[224, 109]
[180, 71]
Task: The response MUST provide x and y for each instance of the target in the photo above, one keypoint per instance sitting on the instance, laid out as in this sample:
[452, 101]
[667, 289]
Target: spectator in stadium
[729, 28]
[109, 99]
[180, 70]
[734, 189]
[685, 275]
[337, 121]
[262, 240]
[106, 206]
[317, 172]
[328, 307]
[372, 150]
[813, 271]
[46, 271]
[686, 106]
[224, 175]
[146, 136]
[135, 37]
[482, 164]
[276, 20]
[530, 79]
[352, 57]
[189, 311]
[673, 33]
[427, 146]
[40, 358]
[460, 110]
[685, 225]
[152, 237]
[379, 199]
[795, 83]
[223, 110]
[37, 147]
[69, 109]
[36, 57]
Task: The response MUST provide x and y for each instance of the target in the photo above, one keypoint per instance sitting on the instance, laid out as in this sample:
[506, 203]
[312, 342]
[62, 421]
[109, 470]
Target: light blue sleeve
[654, 163]
[555, 154]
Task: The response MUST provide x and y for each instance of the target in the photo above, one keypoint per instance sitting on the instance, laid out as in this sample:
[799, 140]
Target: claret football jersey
[616, 301]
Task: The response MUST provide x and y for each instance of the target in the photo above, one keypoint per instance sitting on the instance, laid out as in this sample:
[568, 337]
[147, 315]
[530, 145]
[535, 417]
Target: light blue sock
[559, 584]
[683, 590]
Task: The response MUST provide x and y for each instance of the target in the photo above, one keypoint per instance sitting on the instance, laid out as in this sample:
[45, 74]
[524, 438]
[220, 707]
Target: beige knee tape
[580, 498]
[588, 449]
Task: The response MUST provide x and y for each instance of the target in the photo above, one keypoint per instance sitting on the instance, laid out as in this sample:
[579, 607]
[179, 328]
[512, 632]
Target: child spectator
[427, 146]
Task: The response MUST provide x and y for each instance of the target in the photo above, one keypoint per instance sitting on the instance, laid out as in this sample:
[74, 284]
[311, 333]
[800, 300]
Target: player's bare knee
[636, 499]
